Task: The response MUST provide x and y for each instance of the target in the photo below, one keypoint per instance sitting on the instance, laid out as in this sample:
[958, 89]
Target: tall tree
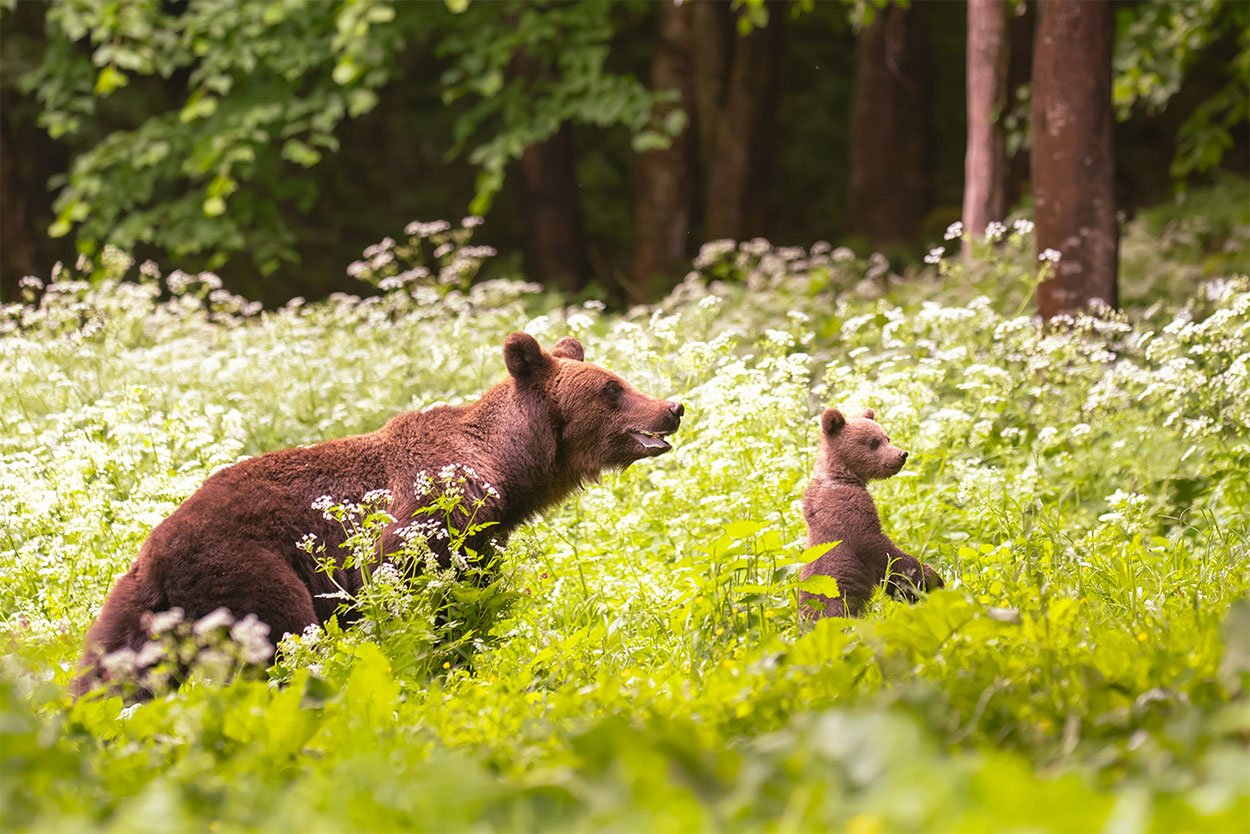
[986, 164]
[1073, 158]
[887, 194]
[555, 248]
[666, 176]
[735, 93]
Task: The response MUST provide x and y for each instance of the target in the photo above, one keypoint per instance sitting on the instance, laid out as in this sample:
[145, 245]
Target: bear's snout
[677, 410]
[902, 458]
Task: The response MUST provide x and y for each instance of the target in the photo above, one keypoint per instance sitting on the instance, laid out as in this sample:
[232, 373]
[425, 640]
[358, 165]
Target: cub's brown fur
[554, 424]
[838, 508]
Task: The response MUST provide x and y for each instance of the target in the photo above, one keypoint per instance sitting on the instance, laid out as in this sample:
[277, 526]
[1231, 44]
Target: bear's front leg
[932, 579]
[908, 578]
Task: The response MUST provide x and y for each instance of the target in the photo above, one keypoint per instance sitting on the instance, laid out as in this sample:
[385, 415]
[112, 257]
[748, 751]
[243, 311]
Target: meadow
[638, 663]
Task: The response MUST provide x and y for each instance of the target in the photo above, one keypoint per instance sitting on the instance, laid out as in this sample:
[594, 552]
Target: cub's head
[858, 446]
[602, 421]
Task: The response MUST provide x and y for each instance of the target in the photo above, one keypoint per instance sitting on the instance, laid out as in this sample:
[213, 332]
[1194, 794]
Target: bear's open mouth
[650, 440]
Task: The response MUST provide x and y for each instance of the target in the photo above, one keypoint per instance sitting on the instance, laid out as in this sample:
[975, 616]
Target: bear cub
[838, 508]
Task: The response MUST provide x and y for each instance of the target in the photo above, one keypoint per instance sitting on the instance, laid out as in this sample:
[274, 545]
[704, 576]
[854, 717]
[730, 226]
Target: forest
[1018, 232]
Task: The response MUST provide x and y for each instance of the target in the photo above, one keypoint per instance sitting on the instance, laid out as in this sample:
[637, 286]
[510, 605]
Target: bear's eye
[612, 388]
[875, 444]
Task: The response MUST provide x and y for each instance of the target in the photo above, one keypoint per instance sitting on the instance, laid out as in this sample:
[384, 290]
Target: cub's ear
[524, 357]
[569, 348]
[869, 414]
[831, 421]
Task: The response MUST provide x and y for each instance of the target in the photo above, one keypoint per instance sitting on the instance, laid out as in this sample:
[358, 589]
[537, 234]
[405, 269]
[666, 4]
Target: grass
[640, 665]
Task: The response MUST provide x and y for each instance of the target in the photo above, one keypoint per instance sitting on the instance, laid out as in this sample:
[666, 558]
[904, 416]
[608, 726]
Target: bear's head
[602, 421]
[858, 446]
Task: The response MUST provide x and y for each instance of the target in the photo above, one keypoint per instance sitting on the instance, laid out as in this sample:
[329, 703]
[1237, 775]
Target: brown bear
[838, 508]
[555, 424]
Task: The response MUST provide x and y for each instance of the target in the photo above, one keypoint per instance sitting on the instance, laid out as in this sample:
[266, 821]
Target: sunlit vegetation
[639, 664]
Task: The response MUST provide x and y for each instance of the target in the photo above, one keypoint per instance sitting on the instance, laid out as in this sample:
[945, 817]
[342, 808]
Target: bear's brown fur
[556, 423]
[838, 508]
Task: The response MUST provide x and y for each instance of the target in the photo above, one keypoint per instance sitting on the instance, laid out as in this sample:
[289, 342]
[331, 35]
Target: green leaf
[818, 583]
[300, 153]
[110, 79]
[737, 530]
[198, 106]
[214, 207]
[816, 551]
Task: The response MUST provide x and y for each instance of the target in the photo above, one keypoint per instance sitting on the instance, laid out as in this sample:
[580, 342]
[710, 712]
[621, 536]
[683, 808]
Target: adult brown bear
[554, 424]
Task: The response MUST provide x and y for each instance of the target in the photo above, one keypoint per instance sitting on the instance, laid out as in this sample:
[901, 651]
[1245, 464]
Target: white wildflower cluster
[1125, 508]
[214, 648]
[436, 259]
[980, 486]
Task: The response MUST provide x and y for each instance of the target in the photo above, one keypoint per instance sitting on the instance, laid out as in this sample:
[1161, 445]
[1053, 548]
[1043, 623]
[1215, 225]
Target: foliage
[197, 121]
[1082, 487]
[1157, 45]
[522, 69]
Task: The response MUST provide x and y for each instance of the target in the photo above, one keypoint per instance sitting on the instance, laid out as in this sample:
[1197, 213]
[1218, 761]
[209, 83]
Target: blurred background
[602, 140]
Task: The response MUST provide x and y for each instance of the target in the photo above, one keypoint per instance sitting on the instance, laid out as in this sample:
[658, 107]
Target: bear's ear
[569, 348]
[869, 414]
[524, 357]
[831, 421]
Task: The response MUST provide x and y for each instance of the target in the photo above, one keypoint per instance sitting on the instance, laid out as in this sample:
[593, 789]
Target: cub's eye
[875, 444]
[612, 388]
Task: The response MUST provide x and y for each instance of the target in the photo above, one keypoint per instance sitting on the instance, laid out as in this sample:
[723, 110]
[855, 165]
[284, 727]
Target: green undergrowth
[637, 664]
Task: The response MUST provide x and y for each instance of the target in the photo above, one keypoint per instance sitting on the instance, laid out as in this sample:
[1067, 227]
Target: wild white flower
[164, 621]
[579, 322]
[954, 231]
[1022, 226]
[149, 655]
[994, 231]
[425, 230]
[210, 622]
[422, 486]
[935, 255]
[376, 496]
[120, 663]
[1049, 256]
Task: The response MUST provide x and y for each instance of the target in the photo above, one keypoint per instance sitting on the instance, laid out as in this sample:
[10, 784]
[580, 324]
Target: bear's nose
[905, 453]
[676, 409]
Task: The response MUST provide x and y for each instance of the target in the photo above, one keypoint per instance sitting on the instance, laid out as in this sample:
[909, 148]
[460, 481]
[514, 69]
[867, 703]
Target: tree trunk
[555, 248]
[736, 90]
[985, 164]
[665, 184]
[1073, 159]
[887, 193]
[17, 241]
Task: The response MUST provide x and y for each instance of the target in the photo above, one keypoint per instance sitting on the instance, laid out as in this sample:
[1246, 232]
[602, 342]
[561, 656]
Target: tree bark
[887, 193]
[17, 240]
[985, 164]
[665, 183]
[1073, 159]
[736, 91]
[555, 247]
